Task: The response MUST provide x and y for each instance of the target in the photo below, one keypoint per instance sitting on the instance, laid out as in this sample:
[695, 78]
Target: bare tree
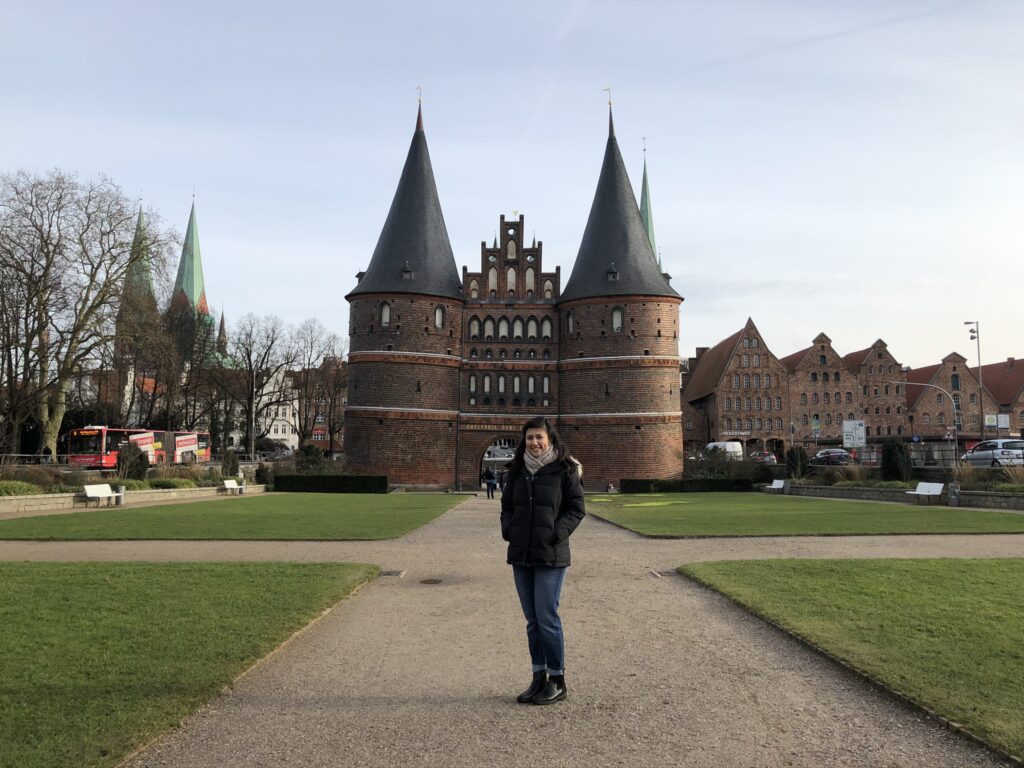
[261, 352]
[334, 377]
[312, 343]
[65, 247]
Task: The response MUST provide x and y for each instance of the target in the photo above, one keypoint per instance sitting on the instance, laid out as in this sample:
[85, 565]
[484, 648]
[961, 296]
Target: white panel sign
[853, 434]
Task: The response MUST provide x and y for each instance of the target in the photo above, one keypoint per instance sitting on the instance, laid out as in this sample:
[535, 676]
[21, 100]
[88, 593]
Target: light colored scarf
[534, 465]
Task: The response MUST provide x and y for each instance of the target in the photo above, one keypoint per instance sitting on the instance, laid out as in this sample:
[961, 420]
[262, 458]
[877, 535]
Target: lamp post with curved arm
[952, 405]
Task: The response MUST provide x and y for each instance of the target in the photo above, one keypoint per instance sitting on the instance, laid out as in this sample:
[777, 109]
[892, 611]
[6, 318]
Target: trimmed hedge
[171, 482]
[18, 488]
[331, 483]
[691, 485]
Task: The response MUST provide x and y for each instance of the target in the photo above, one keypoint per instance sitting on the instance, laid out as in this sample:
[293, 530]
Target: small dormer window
[407, 272]
[613, 275]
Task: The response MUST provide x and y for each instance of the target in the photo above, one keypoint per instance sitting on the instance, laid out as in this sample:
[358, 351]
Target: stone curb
[903, 698]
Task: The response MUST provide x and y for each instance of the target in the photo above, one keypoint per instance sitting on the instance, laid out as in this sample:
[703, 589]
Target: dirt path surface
[661, 672]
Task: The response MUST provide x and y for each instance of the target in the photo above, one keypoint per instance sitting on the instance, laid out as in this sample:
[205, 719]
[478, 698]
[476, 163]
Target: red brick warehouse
[440, 369]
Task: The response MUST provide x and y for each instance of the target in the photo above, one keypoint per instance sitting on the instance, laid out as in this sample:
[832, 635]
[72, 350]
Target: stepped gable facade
[881, 396]
[1005, 382]
[441, 370]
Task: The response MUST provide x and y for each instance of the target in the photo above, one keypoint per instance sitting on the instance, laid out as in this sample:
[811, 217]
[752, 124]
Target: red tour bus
[96, 447]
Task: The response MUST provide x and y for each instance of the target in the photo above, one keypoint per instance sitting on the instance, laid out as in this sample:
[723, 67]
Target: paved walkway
[661, 672]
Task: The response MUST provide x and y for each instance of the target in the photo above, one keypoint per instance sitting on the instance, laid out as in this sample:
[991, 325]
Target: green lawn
[291, 516]
[98, 658]
[761, 514]
[947, 633]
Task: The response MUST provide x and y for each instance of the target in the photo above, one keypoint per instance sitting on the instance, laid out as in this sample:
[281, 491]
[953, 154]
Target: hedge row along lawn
[947, 633]
[761, 514]
[291, 516]
[99, 658]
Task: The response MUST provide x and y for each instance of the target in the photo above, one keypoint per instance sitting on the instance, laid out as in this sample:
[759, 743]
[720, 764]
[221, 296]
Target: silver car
[996, 453]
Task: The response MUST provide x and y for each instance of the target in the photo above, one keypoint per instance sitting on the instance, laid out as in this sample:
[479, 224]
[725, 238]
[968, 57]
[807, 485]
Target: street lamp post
[976, 337]
[952, 407]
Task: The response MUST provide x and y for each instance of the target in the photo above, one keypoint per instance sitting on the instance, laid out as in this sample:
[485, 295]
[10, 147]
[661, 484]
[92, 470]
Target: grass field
[291, 516]
[945, 632]
[761, 514]
[100, 658]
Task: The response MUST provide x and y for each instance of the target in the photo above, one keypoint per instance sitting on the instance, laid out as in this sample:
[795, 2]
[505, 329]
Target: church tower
[188, 315]
[619, 324]
[405, 339]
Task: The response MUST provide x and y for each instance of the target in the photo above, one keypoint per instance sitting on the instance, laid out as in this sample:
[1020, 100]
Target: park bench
[777, 486]
[232, 486]
[100, 492]
[926, 491]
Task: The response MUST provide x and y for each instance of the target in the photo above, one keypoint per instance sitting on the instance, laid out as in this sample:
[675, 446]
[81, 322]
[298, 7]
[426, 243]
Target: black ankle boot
[540, 679]
[555, 690]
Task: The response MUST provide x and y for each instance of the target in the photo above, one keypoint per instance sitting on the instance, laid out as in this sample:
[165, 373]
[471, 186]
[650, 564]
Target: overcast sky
[852, 168]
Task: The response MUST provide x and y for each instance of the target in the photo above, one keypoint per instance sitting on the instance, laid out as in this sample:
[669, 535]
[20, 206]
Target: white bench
[232, 486]
[926, 491]
[100, 492]
[777, 486]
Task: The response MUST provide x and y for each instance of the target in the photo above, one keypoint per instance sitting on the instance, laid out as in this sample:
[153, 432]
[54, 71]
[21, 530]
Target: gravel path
[661, 672]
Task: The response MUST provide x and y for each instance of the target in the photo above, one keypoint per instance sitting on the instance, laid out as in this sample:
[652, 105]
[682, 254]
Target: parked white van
[731, 449]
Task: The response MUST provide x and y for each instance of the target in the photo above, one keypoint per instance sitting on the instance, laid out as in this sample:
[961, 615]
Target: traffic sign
[949, 434]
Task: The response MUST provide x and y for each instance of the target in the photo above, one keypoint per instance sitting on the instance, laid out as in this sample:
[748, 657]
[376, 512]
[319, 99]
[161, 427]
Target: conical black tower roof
[615, 242]
[413, 254]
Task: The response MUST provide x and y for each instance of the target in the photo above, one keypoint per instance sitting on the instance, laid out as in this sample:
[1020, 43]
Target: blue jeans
[540, 589]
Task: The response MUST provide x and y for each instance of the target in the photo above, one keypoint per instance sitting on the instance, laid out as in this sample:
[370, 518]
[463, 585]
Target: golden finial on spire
[609, 95]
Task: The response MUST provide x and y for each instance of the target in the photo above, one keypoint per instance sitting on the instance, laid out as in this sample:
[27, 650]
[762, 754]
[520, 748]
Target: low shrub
[687, 485]
[132, 462]
[896, 461]
[1008, 487]
[856, 473]
[331, 483]
[132, 485]
[172, 482]
[898, 484]
[18, 488]
[1013, 475]
[265, 473]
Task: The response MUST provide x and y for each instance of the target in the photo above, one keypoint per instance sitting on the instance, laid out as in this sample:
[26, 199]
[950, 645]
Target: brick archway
[473, 449]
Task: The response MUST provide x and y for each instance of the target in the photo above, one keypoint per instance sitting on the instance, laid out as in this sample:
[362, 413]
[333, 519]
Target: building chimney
[1009, 362]
[701, 351]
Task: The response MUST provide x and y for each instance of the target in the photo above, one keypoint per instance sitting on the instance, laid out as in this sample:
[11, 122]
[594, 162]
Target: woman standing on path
[541, 505]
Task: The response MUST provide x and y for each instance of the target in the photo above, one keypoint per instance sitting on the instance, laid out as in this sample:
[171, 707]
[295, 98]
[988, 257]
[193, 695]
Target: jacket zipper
[529, 482]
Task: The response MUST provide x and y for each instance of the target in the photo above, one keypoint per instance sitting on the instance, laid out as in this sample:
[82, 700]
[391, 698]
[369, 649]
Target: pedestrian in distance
[541, 505]
[491, 481]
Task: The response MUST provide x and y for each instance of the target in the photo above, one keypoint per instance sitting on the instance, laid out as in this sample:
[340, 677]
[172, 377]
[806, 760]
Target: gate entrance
[496, 457]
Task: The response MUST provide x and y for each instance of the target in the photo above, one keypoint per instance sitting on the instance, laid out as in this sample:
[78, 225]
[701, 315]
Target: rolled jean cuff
[539, 668]
[554, 672]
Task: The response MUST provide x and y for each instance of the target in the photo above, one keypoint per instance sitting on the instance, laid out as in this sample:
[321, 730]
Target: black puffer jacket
[539, 512]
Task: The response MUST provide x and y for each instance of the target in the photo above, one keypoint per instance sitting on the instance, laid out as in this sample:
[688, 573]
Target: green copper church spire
[645, 208]
[189, 284]
[138, 283]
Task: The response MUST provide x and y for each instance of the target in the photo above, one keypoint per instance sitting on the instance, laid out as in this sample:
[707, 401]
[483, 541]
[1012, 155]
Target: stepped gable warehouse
[439, 371]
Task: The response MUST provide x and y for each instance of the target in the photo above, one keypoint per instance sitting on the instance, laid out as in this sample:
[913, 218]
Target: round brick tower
[405, 321]
[619, 321]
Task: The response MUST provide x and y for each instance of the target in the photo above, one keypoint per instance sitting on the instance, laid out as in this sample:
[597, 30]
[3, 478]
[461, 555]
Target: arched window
[942, 419]
[927, 419]
[617, 320]
[728, 403]
[503, 328]
[757, 360]
[492, 280]
[746, 360]
[517, 329]
[778, 403]
[954, 382]
[814, 398]
[547, 385]
[748, 424]
[746, 404]
[735, 381]
[511, 249]
[529, 279]
[439, 317]
[510, 277]
[530, 385]
[474, 289]
[474, 328]
[385, 314]
[570, 323]
[531, 328]
[549, 289]
[545, 329]
[835, 377]
[824, 376]
[501, 385]
[472, 382]
[767, 381]
[746, 381]
[746, 343]
[759, 424]
[757, 381]
[757, 403]
[728, 423]
[489, 329]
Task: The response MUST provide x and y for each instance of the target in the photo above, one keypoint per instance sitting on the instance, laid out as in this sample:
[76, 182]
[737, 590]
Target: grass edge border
[901, 697]
[294, 636]
[832, 535]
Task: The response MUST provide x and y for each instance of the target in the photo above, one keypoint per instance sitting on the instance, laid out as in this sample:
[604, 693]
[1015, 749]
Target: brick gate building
[440, 369]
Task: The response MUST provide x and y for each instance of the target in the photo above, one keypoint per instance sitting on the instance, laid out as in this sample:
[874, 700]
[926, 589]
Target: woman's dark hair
[561, 451]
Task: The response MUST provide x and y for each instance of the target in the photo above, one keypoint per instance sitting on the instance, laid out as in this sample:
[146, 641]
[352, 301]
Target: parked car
[763, 457]
[996, 453]
[832, 457]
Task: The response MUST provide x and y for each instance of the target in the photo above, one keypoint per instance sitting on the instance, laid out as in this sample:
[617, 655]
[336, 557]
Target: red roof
[710, 367]
[1004, 380]
[792, 361]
